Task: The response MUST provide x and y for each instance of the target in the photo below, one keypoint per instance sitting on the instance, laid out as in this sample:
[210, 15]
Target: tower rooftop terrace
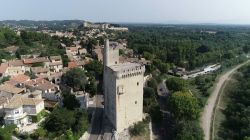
[126, 67]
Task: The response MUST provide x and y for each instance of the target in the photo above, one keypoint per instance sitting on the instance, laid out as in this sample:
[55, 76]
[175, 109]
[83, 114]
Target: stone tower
[123, 89]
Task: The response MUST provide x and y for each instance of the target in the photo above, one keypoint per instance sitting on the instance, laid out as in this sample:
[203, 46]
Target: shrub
[138, 129]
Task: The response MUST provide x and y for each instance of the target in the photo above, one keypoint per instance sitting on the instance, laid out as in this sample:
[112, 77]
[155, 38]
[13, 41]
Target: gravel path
[207, 114]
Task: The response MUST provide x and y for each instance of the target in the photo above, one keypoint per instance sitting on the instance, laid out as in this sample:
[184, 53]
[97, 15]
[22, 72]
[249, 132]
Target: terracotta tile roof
[72, 48]
[3, 100]
[15, 102]
[11, 89]
[16, 63]
[44, 76]
[40, 83]
[82, 51]
[56, 75]
[18, 101]
[35, 60]
[3, 67]
[31, 101]
[21, 78]
[46, 86]
[72, 64]
[36, 81]
[50, 104]
[13, 83]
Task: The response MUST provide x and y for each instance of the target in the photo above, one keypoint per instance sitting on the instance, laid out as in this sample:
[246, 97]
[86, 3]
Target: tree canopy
[236, 124]
[190, 130]
[70, 102]
[176, 84]
[76, 79]
[57, 124]
[94, 68]
[183, 106]
[6, 132]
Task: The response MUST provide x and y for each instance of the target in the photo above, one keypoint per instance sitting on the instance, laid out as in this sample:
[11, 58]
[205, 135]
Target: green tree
[76, 79]
[4, 79]
[153, 84]
[30, 74]
[6, 132]
[70, 102]
[39, 133]
[138, 129]
[189, 130]
[151, 106]
[91, 88]
[176, 84]
[183, 106]
[62, 121]
[68, 135]
[94, 67]
[121, 52]
[247, 138]
[81, 123]
[59, 121]
[148, 55]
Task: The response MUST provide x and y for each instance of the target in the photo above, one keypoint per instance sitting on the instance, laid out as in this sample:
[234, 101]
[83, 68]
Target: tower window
[137, 83]
[135, 102]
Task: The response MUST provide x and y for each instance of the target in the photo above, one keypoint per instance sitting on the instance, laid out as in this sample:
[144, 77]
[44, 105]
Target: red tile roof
[72, 64]
[35, 60]
[16, 63]
[72, 49]
[20, 78]
[3, 68]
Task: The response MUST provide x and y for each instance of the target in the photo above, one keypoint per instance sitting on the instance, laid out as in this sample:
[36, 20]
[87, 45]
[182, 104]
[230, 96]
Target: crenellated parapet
[126, 70]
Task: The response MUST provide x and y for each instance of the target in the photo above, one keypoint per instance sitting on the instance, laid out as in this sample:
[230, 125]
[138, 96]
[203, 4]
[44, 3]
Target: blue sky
[142, 11]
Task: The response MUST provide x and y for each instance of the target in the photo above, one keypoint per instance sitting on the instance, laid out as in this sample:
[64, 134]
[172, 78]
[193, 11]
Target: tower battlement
[126, 70]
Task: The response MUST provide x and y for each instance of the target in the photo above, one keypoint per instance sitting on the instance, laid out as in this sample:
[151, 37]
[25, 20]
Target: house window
[120, 90]
[17, 112]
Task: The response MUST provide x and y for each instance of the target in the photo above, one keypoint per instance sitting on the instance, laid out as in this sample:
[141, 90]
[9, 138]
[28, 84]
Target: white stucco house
[20, 110]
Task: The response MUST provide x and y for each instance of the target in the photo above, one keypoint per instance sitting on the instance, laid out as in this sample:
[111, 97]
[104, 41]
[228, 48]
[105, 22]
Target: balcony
[15, 117]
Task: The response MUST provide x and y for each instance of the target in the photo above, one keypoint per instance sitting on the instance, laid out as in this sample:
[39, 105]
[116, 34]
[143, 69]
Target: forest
[236, 124]
[188, 46]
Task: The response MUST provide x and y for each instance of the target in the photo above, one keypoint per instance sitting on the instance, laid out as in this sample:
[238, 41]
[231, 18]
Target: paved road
[207, 114]
[96, 130]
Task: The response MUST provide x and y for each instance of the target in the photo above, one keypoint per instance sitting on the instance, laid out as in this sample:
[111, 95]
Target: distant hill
[54, 24]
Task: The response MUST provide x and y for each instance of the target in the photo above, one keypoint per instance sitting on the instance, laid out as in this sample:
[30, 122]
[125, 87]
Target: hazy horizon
[129, 11]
